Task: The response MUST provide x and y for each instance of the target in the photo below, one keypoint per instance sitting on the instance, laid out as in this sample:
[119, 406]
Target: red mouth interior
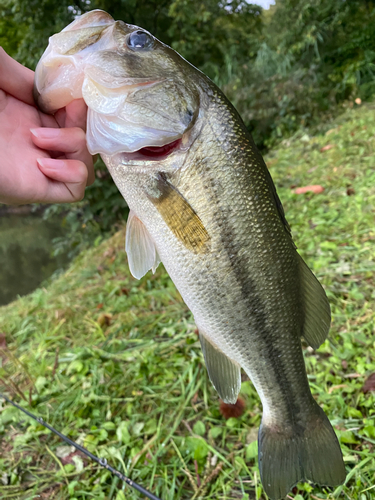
[160, 151]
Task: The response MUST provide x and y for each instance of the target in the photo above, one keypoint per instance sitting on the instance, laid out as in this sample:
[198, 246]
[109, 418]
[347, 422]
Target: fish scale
[242, 314]
[205, 205]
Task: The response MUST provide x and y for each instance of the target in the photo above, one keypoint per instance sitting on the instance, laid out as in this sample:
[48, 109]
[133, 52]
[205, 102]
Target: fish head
[140, 93]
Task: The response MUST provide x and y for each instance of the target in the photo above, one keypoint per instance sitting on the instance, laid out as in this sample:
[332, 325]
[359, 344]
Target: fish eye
[140, 40]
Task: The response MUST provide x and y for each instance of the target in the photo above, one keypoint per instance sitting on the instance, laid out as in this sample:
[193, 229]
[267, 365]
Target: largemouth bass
[203, 202]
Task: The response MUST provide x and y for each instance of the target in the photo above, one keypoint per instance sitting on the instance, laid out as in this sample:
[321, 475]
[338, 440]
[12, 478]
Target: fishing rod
[101, 461]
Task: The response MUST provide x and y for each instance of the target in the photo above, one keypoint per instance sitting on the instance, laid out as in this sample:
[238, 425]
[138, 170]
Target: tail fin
[311, 453]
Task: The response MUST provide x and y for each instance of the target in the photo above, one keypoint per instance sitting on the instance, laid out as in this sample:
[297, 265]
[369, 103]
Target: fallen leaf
[194, 399]
[3, 343]
[369, 385]
[105, 319]
[100, 306]
[350, 191]
[340, 386]
[3, 346]
[70, 459]
[327, 147]
[63, 451]
[330, 131]
[229, 410]
[109, 252]
[59, 313]
[315, 188]
[271, 162]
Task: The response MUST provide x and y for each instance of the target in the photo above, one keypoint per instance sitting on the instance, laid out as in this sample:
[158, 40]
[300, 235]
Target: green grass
[115, 364]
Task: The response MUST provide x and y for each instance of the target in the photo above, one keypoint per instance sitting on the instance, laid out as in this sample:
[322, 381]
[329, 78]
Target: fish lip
[179, 145]
[183, 144]
[170, 143]
[40, 103]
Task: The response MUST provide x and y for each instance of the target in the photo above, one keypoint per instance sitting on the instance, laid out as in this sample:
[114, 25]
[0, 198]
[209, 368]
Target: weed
[116, 365]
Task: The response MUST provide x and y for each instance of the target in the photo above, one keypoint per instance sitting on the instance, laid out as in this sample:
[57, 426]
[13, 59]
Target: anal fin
[316, 307]
[140, 247]
[224, 373]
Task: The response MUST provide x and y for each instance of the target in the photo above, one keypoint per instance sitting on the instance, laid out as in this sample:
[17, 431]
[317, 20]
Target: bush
[293, 66]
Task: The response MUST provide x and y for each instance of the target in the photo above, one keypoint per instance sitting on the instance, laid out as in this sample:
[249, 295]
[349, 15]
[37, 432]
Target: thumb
[73, 115]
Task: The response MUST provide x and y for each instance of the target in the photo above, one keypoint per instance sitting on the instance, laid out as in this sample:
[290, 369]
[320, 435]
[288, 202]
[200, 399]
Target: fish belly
[243, 293]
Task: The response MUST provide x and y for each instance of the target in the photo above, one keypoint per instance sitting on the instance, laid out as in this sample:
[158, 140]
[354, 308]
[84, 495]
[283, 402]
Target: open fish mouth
[119, 120]
[157, 153]
[173, 151]
[132, 109]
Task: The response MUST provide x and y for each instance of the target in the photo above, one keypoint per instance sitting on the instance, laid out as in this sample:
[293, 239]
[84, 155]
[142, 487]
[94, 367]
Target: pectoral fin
[157, 261]
[142, 254]
[316, 307]
[180, 217]
[224, 373]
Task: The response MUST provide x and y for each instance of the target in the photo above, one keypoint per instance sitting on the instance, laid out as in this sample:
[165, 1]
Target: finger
[15, 79]
[73, 115]
[69, 176]
[70, 141]
[76, 114]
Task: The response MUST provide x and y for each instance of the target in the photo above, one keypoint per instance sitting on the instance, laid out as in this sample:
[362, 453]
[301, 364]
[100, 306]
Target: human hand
[43, 158]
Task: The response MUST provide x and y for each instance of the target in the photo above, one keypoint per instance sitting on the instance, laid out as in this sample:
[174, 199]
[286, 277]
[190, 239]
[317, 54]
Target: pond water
[25, 254]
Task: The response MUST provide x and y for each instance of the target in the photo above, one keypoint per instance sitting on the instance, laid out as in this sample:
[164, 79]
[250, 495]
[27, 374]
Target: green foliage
[10, 30]
[116, 364]
[101, 213]
[210, 34]
[296, 65]
[36, 22]
[201, 31]
[316, 55]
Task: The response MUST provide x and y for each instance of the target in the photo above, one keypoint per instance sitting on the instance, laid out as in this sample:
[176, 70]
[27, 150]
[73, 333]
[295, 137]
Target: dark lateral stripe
[180, 217]
[255, 308]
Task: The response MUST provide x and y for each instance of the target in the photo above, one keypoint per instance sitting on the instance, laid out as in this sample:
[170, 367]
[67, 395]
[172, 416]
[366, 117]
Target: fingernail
[50, 163]
[45, 133]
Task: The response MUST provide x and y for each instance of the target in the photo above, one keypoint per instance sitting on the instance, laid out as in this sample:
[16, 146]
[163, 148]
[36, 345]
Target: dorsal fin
[278, 203]
[316, 307]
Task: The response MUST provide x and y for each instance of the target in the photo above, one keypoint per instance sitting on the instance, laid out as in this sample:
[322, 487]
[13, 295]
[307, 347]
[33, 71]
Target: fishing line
[101, 461]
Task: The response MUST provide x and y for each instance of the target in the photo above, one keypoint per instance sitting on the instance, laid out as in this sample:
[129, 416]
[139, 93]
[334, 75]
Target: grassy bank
[114, 363]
